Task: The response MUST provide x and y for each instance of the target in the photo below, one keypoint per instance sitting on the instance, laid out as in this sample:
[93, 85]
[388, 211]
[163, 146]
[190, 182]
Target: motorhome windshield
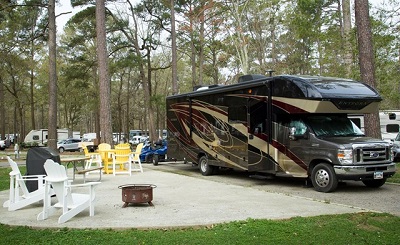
[331, 125]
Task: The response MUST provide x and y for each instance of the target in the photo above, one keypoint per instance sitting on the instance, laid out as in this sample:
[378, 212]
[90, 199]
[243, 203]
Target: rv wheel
[374, 183]
[324, 178]
[205, 168]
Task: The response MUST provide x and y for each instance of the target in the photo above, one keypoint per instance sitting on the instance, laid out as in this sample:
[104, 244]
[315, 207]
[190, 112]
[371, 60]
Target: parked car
[155, 153]
[396, 152]
[70, 144]
[396, 148]
[2, 145]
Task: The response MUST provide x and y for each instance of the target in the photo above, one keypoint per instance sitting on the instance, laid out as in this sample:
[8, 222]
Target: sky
[62, 7]
[65, 6]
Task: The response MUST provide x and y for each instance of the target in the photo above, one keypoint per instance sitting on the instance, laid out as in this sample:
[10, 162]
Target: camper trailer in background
[389, 121]
[294, 126]
[390, 124]
[39, 137]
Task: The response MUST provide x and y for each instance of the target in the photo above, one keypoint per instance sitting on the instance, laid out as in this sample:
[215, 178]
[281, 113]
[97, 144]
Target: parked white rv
[39, 137]
[389, 121]
[390, 124]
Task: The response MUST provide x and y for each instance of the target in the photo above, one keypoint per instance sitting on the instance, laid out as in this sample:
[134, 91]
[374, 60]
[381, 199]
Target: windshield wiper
[353, 134]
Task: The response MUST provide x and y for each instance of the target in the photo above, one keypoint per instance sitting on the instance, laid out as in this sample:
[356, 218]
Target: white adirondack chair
[19, 200]
[70, 203]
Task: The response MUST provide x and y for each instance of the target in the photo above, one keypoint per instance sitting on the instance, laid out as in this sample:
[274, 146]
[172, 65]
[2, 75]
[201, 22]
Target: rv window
[356, 121]
[329, 126]
[237, 114]
[35, 137]
[392, 128]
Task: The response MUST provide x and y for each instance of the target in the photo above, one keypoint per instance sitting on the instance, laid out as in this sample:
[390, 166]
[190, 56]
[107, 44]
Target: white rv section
[40, 136]
[389, 120]
[390, 124]
[89, 137]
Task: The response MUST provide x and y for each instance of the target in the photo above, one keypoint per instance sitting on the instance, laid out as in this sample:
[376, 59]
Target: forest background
[216, 41]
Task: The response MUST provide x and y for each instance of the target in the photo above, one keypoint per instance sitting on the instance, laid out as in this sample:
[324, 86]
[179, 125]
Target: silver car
[68, 145]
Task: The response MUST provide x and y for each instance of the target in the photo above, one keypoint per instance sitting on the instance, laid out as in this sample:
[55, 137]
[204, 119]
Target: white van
[137, 139]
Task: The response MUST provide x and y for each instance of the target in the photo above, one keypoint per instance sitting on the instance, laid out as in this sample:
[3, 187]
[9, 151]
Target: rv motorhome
[39, 137]
[295, 126]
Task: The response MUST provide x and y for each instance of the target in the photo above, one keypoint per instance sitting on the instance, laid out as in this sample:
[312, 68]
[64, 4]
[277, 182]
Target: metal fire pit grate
[137, 193]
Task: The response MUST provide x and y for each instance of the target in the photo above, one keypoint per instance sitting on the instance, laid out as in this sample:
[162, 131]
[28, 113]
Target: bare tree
[52, 133]
[366, 60]
[105, 86]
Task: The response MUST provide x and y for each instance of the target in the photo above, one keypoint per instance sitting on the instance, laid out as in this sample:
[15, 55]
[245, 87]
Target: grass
[396, 177]
[359, 228]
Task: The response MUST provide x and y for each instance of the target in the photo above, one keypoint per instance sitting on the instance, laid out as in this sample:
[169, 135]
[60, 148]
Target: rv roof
[312, 87]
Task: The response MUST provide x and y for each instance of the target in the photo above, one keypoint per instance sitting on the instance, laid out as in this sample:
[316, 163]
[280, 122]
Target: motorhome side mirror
[293, 136]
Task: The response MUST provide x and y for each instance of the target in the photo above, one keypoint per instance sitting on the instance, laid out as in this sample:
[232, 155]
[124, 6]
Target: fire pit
[137, 193]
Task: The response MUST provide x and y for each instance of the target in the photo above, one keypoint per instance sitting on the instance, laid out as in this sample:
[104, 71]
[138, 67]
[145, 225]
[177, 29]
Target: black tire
[205, 168]
[155, 160]
[374, 183]
[323, 178]
[61, 149]
[148, 158]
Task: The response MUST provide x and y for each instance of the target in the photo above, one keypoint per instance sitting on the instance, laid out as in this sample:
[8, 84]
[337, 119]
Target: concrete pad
[179, 201]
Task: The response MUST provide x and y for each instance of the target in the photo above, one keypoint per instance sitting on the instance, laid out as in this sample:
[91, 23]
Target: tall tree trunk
[147, 98]
[366, 60]
[52, 133]
[2, 110]
[104, 81]
[348, 57]
[174, 51]
[32, 85]
[193, 52]
[201, 42]
[128, 96]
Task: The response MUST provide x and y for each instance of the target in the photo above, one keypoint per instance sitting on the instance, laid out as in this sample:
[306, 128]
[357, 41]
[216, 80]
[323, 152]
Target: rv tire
[323, 178]
[374, 183]
[205, 168]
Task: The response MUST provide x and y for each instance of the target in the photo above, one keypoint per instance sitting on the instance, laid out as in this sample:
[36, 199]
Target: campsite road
[351, 193]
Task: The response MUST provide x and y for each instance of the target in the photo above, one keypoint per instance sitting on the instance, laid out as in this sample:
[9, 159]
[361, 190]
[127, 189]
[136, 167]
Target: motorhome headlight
[345, 156]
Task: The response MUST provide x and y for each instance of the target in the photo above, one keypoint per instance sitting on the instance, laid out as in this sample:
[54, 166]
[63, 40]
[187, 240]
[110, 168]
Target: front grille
[371, 153]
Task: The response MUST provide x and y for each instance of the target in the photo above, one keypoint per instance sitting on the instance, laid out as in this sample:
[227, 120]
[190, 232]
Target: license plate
[378, 175]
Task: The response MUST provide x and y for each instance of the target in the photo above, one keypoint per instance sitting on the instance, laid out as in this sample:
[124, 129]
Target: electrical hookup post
[16, 151]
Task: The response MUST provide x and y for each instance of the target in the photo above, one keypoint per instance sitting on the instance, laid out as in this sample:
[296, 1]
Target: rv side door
[258, 146]
[297, 147]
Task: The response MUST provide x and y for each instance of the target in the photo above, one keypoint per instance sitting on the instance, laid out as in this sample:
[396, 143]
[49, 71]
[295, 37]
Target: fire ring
[137, 193]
